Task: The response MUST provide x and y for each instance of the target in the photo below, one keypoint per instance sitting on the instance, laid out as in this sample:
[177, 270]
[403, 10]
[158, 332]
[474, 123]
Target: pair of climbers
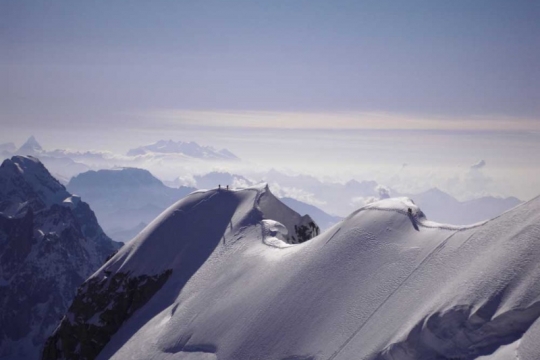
[219, 187]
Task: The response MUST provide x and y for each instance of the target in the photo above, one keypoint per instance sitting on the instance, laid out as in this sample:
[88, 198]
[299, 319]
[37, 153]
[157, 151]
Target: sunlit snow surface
[382, 284]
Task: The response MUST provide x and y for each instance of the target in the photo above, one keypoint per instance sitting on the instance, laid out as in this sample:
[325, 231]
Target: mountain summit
[30, 147]
[189, 149]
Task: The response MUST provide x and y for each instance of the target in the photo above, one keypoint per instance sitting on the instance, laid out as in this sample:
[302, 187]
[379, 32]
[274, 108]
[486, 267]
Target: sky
[353, 87]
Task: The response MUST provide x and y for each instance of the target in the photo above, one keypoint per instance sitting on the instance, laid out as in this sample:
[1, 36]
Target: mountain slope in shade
[215, 277]
[123, 198]
[189, 149]
[50, 242]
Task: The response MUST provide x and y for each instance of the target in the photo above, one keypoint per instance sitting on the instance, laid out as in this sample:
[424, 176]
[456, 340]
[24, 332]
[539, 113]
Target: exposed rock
[48, 247]
[101, 306]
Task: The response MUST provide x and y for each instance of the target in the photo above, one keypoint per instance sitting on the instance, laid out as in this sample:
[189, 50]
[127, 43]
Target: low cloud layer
[336, 120]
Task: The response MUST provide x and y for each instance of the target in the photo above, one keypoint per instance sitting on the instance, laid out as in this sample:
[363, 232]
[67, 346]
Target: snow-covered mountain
[58, 163]
[50, 242]
[30, 147]
[189, 149]
[123, 198]
[216, 276]
[161, 158]
[170, 251]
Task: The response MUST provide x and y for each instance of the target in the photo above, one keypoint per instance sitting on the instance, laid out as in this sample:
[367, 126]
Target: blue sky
[241, 73]
[417, 57]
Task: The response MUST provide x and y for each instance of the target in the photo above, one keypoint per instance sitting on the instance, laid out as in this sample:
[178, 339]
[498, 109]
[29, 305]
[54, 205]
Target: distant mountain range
[441, 207]
[50, 242]
[125, 199]
[334, 199]
[190, 149]
[158, 156]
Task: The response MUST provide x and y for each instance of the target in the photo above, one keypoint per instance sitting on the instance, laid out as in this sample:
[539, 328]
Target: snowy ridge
[240, 208]
[417, 216]
[382, 284]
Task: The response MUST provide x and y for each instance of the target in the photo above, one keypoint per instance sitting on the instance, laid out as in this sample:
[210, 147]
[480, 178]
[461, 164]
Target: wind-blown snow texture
[382, 284]
[50, 242]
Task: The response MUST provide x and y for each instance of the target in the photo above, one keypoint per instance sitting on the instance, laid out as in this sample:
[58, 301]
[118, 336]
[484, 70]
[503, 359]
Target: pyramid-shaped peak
[32, 141]
[30, 147]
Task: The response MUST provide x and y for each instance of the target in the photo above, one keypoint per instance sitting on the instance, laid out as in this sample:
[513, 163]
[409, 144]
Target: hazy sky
[429, 83]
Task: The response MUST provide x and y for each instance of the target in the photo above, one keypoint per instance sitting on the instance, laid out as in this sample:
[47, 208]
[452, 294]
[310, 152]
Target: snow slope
[382, 284]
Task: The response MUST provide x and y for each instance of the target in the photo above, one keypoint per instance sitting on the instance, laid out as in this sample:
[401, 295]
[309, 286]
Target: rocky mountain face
[50, 242]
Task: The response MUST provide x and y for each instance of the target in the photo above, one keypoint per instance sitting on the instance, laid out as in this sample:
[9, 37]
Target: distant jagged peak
[30, 147]
[435, 191]
[189, 149]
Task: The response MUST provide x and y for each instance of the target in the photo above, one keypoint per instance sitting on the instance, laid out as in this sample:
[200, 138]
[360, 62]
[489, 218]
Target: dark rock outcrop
[97, 312]
[50, 242]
